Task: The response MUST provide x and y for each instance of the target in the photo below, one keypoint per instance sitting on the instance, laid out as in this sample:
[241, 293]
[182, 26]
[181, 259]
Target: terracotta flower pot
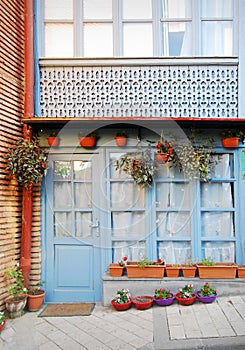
[115, 270]
[53, 141]
[230, 142]
[15, 305]
[88, 141]
[121, 141]
[219, 270]
[121, 307]
[172, 271]
[206, 299]
[189, 271]
[143, 302]
[150, 271]
[241, 271]
[185, 301]
[161, 157]
[165, 302]
[35, 301]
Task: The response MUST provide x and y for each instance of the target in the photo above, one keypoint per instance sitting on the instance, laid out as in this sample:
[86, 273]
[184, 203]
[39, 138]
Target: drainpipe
[26, 237]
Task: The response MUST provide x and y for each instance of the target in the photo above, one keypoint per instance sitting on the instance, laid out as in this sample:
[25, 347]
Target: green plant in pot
[27, 161]
[35, 297]
[16, 302]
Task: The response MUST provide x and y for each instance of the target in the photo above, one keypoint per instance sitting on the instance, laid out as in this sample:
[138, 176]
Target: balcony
[139, 88]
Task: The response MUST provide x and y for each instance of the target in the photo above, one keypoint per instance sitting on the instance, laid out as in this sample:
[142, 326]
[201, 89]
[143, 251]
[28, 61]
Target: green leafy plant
[121, 133]
[207, 290]
[145, 262]
[36, 290]
[123, 261]
[122, 296]
[208, 262]
[27, 161]
[187, 291]
[162, 294]
[232, 133]
[139, 166]
[2, 318]
[84, 133]
[194, 158]
[15, 276]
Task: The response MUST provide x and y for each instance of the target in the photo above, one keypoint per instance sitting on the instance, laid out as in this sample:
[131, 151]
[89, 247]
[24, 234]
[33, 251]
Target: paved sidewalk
[220, 325]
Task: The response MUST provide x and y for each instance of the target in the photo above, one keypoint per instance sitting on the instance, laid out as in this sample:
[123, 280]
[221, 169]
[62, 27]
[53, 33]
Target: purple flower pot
[165, 302]
[206, 299]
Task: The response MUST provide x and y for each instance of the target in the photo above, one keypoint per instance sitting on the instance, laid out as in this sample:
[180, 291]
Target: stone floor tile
[226, 332]
[239, 327]
[49, 346]
[177, 332]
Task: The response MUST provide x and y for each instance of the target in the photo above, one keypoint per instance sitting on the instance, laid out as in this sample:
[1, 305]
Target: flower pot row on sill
[216, 271]
[87, 141]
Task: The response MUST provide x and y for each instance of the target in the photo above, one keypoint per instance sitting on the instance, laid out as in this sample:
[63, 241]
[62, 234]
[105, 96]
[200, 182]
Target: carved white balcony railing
[146, 88]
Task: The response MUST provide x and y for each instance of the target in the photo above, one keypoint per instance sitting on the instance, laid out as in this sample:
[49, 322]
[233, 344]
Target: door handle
[97, 226]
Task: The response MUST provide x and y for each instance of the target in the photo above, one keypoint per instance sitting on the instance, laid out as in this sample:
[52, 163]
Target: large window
[138, 28]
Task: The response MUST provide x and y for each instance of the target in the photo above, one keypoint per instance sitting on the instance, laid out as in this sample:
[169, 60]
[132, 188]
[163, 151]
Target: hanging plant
[27, 161]
[139, 166]
[194, 158]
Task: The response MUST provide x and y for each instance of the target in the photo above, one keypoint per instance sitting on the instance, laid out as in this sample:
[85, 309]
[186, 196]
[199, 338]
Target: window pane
[56, 9]
[175, 224]
[126, 195]
[98, 40]
[135, 9]
[218, 251]
[83, 224]
[217, 224]
[82, 170]
[134, 251]
[62, 170]
[63, 224]
[217, 8]
[128, 224]
[55, 37]
[137, 40]
[175, 252]
[99, 9]
[83, 195]
[217, 38]
[216, 195]
[62, 195]
[176, 8]
[170, 195]
[177, 39]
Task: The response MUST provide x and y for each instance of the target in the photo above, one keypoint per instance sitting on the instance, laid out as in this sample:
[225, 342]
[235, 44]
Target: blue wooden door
[72, 229]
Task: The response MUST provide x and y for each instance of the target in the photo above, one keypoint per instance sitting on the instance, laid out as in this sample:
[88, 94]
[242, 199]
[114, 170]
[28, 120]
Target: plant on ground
[186, 292]
[36, 290]
[123, 296]
[162, 294]
[15, 276]
[207, 290]
[2, 318]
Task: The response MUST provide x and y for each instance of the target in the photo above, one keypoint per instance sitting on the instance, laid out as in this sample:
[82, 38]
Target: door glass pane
[63, 224]
[177, 39]
[62, 170]
[135, 9]
[83, 223]
[217, 195]
[97, 9]
[55, 36]
[62, 195]
[217, 224]
[126, 195]
[170, 195]
[128, 224]
[224, 166]
[173, 224]
[98, 40]
[137, 39]
[216, 8]
[175, 252]
[83, 195]
[176, 8]
[134, 251]
[56, 9]
[219, 251]
[217, 38]
[82, 170]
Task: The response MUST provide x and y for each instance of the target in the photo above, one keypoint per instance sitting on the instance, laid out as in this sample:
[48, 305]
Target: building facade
[148, 68]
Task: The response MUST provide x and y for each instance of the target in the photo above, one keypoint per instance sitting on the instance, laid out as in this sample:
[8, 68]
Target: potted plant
[121, 138]
[207, 294]
[139, 166]
[17, 301]
[194, 158]
[188, 269]
[230, 139]
[89, 140]
[146, 269]
[143, 302]
[2, 320]
[122, 300]
[35, 297]
[116, 270]
[165, 151]
[27, 162]
[172, 270]
[186, 295]
[209, 269]
[241, 271]
[163, 297]
[53, 139]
